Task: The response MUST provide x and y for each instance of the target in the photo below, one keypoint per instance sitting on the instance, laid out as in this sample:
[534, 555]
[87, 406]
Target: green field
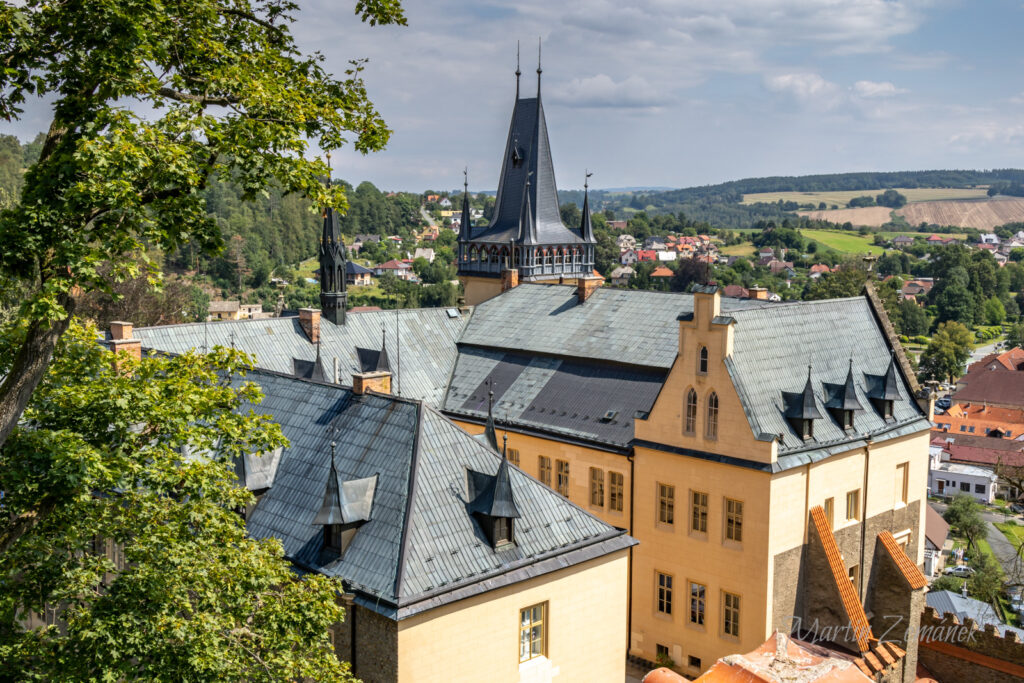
[842, 197]
[955, 235]
[844, 242]
[745, 249]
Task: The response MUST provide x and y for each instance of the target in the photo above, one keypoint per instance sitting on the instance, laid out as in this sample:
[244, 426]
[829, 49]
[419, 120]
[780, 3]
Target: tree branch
[248, 16]
[205, 100]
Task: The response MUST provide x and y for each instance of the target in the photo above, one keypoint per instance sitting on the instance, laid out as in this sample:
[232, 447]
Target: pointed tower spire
[465, 227]
[383, 364]
[539, 70]
[586, 227]
[333, 266]
[527, 226]
[518, 72]
[890, 385]
[808, 409]
[489, 432]
[847, 398]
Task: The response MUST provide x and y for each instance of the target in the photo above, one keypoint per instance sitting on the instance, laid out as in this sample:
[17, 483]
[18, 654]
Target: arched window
[494, 255]
[702, 361]
[547, 257]
[558, 256]
[711, 426]
[690, 418]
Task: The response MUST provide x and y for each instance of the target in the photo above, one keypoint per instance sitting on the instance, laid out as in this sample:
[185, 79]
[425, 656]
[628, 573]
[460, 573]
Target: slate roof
[421, 547]
[538, 337]
[981, 612]
[426, 339]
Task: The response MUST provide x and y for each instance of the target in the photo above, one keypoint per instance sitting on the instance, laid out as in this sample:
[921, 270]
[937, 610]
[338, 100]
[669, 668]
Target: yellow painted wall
[580, 459]
[709, 559]
[477, 639]
[479, 289]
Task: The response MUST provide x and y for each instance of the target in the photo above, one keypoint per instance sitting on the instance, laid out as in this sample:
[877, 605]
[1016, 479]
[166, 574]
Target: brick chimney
[121, 341]
[587, 285]
[509, 279]
[309, 320]
[378, 381]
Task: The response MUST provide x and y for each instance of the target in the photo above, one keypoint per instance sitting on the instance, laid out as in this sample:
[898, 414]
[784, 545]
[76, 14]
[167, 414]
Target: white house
[628, 257]
[668, 256]
[948, 479]
[989, 238]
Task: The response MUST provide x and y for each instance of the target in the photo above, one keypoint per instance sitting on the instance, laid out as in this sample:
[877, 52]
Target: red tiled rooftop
[855, 615]
[913, 576]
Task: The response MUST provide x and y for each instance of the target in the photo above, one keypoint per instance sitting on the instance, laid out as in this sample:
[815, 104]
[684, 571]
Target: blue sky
[684, 92]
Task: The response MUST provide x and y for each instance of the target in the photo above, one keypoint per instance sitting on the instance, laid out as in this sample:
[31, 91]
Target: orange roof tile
[907, 568]
[663, 675]
[851, 603]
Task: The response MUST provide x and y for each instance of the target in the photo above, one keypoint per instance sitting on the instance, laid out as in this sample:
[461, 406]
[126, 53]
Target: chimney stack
[378, 381]
[509, 279]
[587, 285]
[309, 319]
[121, 341]
[759, 293]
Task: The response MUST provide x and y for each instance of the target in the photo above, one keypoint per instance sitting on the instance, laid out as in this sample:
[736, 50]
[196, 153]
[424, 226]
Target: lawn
[955, 235]
[844, 242]
[842, 197]
[1013, 532]
[745, 249]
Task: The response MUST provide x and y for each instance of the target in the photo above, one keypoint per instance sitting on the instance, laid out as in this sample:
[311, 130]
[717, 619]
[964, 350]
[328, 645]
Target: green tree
[195, 598]
[987, 582]
[847, 281]
[964, 513]
[149, 102]
[994, 312]
[913, 320]
[947, 352]
[891, 198]
[1015, 336]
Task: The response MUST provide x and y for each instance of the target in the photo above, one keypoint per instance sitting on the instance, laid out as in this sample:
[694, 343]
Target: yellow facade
[478, 638]
[775, 507]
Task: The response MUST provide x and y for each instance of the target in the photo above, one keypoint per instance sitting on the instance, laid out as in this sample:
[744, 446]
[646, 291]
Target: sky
[682, 92]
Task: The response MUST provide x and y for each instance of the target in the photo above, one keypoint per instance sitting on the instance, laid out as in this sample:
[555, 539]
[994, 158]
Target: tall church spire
[586, 227]
[465, 227]
[333, 297]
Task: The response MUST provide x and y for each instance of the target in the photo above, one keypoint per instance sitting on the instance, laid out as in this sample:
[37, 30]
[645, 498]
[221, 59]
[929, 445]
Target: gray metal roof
[421, 546]
[425, 344]
[618, 325]
[772, 348]
[981, 612]
[559, 396]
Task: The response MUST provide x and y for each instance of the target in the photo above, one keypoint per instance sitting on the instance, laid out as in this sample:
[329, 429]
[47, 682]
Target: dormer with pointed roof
[492, 503]
[884, 390]
[842, 400]
[346, 506]
[801, 410]
[526, 230]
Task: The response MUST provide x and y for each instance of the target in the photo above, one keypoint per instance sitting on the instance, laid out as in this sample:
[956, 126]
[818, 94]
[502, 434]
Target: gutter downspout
[350, 609]
[864, 520]
[629, 572]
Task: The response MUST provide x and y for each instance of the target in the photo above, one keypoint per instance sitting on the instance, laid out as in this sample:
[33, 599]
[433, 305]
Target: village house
[655, 243]
[901, 241]
[617, 225]
[628, 257]
[357, 275]
[625, 242]
[669, 256]
[424, 252]
[622, 275]
[991, 452]
[223, 310]
[996, 380]
[982, 419]
[947, 479]
[662, 272]
[643, 255]
[937, 543]
[400, 269]
[912, 289]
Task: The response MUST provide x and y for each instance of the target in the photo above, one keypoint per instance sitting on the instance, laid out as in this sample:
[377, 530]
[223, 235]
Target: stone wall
[376, 659]
[955, 651]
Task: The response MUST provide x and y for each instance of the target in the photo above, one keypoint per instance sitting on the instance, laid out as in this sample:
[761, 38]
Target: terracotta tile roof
[851, 603]
[661, 271]
[663, 675]
[907, 568]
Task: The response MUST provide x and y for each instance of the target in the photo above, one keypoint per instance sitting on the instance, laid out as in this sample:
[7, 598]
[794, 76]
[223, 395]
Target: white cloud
[808, 88]
[633, 92]
[874, 89]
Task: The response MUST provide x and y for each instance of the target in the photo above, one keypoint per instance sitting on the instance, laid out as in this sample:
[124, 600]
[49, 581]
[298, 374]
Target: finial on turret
[539, 70]
[586, 179]
[518, 72]
[465, 179]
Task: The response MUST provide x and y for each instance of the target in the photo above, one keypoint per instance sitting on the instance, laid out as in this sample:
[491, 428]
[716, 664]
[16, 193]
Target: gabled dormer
[801, 410]
[492, 503]
[347, 506]
[842, 400]
[883, 390]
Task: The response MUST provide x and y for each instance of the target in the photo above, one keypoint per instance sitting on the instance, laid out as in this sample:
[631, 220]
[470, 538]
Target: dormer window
[346, 507]
[884, 391]
[842, 401]
[702, 360]
[801, 409]
[492, 504]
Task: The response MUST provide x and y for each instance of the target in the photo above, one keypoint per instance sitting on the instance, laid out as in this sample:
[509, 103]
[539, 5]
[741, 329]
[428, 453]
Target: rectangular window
[563, 476]
[965, 486]
[615, 487]
[979, 488]
[902, 482]
[731, 614]
[666, 504]
[664, 593]
[531, 632]
[733, 519]
[855, 577]
[963, 428]
[661, 652]
[596, 487]
[513, 456]
[698, 596]
[830, 512]
[853, 505]
[699, 512]
[544, 469]
[694, 662]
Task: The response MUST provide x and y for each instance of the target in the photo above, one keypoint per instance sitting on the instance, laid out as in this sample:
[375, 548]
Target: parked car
[960, 571]
[945, 402]
[1017, 508]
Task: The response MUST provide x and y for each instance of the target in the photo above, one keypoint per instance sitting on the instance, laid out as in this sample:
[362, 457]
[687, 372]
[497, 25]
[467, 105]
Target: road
[981, 352]
[1004, 551]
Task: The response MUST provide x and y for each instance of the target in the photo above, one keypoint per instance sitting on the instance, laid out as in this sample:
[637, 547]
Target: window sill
[661, 616]
[663, 526]
[732, 545]
[698, 535]
[699, 628]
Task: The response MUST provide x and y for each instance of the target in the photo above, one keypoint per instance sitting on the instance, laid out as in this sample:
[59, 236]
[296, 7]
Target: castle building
[525, 240]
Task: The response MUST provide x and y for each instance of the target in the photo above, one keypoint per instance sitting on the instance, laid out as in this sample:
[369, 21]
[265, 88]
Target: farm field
[842, 197]
[845, 242]
[982, 214]
[745, 249]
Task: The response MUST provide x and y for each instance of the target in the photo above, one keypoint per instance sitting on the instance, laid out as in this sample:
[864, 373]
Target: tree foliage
[150, 102]
[964, 514]
[947, 353]
[141, 458]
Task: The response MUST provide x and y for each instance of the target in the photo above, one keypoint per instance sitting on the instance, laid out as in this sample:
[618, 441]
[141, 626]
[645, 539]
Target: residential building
[670, 256]
[655, 243]
[223, 310]
[948, 479]
[400, 269]
[525, 240]
[646, 255]
[736, 292]
[617, 225]
[964, 608]
[422, 252]
[673, 422]
[622, 275]
[819, 269]
[937, 543]
[990, 452]
[625, 241]
[628, 257]
[901, 241]
[996, 380]
[982, 419]
[989, 238]
[357, 275]
[662, 272]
